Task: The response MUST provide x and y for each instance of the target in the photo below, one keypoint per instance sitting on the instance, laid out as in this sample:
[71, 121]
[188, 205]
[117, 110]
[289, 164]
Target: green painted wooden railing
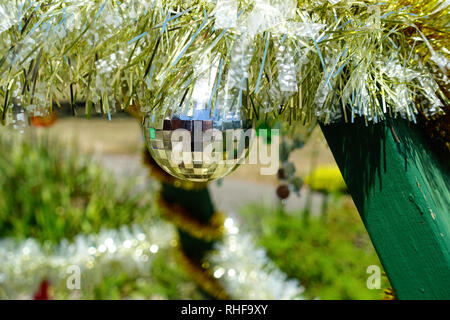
[402, 193]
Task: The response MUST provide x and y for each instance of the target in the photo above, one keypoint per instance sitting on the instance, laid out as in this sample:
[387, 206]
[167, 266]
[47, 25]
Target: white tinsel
[131, 250]
[247, 272]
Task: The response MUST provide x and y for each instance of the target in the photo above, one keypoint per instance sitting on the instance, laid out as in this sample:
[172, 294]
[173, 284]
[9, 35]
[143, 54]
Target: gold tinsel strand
[202, 275]
[177, 214]
[185, 222]
[331, 60]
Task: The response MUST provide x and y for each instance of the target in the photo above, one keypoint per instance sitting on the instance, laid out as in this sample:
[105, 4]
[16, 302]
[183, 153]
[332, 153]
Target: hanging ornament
[41, 117]
[17, 118]
[43, 291]
[293, 138]
[283, 192]
[203, 133]
[198, 147]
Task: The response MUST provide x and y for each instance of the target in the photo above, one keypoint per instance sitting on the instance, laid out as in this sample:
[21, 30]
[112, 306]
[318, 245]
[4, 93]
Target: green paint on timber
[402, 193]
[200, 207]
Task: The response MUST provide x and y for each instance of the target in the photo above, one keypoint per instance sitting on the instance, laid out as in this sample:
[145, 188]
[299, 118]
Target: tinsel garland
[389, 294]
[131, 250]
[293, 60]
[184, 221]
[231, 263]
[202, 275]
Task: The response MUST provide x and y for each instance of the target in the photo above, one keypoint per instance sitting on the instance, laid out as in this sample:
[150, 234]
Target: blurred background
[80, 219]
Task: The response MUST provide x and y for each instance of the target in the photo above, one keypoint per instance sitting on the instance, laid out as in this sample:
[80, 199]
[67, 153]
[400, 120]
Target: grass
[165, 281]
[329, 257]
[51, 192]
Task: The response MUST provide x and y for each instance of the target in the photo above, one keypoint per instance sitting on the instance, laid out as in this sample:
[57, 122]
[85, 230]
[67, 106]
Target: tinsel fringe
[297, 60]
[131, 250]
[185, 222]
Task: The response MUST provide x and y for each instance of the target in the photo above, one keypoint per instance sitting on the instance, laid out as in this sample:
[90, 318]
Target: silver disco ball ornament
[197, 148]
[202, 132]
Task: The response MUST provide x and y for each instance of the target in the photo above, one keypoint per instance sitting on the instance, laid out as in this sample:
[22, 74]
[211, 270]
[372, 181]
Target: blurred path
[118, 146]
[228, 197]
[233, 194]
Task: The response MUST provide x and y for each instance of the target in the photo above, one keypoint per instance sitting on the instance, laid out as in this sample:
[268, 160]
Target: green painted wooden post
[402, 193]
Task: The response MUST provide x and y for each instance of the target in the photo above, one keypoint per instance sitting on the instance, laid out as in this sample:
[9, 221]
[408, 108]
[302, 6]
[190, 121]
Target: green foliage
[329, 257]
[166, 281]
[51, 192]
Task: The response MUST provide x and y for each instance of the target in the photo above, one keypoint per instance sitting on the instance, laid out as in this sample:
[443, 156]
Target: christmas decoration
[246, 271]
[213, 270]
[45, 122]
[188, 206]
[17, 118]
[294, 61]
[218, 64]
[283, 192]
[132, 249]
[41, 118]
[201, 154]
[291, 140]
[96, 255]
[303, 59]
[42, 293]
[201, 135]
[178, 216]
